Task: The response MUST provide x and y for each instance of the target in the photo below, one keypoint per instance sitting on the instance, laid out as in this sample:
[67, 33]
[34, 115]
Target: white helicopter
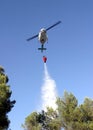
[42, 36]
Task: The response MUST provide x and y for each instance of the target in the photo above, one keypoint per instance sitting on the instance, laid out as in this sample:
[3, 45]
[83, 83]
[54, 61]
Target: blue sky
[69, 50]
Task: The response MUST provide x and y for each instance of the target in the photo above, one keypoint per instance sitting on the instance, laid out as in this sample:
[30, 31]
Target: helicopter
[42, 36]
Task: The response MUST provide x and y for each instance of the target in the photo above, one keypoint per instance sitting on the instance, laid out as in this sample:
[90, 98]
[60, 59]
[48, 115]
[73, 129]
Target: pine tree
[5, 103]
[74, 117]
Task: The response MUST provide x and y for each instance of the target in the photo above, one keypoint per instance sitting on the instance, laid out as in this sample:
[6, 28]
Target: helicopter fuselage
[42, 37]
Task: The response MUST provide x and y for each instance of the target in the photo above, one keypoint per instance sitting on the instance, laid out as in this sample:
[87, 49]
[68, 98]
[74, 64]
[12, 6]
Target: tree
[31, 122]
[53, 121]
[5, 103]
[74, 117]
[86, 114]
[42, 121]
[69, 115]
[66, 106]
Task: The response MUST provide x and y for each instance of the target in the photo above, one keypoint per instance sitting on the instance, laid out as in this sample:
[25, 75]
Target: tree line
[68, 116]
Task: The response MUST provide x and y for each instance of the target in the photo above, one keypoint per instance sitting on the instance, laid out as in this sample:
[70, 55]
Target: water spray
[49, 92]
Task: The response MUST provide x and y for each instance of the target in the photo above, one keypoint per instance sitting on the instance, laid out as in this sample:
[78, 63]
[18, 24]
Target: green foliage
[66, 107]
[5, 103]
[43, 120]
[69, 115]
[74, 117]
[31, 122]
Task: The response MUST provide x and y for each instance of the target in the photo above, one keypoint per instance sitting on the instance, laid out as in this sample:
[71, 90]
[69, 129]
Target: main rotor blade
[53, 25]
[32, 37]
